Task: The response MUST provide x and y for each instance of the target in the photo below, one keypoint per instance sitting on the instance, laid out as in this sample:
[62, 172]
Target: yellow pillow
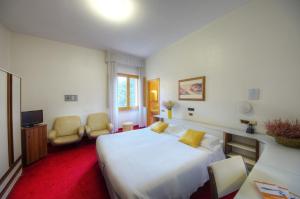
[159, 127]
[192, 137]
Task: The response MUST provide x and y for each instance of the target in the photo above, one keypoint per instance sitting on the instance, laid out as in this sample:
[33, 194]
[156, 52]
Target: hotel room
[160, 99]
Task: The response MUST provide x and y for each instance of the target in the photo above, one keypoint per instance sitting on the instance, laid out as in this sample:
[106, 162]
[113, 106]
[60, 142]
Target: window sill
[128, 108]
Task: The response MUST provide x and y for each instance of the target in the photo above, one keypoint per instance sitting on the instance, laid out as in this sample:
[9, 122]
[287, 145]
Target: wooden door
[153, 100]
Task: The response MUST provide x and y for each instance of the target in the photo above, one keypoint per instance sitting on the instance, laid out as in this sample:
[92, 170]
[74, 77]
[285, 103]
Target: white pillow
[175, 130]
[210, 142]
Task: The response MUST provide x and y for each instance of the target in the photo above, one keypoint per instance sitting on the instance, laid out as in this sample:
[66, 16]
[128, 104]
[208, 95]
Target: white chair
[227, 176]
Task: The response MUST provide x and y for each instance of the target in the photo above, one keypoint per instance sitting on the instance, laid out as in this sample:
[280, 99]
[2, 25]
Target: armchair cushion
[66, 139]
[67, 125]
[94, 134]
[97, 121]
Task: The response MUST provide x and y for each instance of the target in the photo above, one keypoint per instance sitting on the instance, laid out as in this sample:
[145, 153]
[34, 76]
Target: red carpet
[72, 173]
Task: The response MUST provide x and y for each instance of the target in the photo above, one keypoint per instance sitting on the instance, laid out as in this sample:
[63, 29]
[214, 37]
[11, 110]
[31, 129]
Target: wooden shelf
[246, 159]
[246, 147]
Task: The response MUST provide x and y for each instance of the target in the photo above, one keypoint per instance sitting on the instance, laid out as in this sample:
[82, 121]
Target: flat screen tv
[31, 118]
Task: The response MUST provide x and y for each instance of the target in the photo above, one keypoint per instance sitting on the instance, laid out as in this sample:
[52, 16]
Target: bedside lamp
[244, 107]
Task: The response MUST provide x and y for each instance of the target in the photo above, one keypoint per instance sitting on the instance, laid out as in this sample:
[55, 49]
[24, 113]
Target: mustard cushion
[192, 137]
[159, 127]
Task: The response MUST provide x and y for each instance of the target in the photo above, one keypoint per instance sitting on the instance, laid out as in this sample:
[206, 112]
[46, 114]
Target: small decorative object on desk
[285, 132]
[251, 128]
[169, 105]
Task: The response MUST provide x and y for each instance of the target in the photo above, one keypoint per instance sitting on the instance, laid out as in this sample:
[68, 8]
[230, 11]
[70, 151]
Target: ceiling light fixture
[113, 10]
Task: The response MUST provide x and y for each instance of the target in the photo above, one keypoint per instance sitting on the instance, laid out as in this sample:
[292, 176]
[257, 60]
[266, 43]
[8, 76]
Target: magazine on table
[272, 191]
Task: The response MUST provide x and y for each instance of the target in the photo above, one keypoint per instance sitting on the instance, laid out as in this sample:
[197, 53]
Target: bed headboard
[216, 131]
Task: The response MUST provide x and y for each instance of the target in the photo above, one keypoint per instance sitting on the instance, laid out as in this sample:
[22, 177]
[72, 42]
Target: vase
[290, 142]
[169, 114]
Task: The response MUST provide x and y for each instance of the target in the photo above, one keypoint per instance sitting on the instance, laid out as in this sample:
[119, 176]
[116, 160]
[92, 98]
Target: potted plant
[285, 132]
[169, 105]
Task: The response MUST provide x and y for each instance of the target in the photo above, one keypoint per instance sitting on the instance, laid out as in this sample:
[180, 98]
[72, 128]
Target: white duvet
[144, 164]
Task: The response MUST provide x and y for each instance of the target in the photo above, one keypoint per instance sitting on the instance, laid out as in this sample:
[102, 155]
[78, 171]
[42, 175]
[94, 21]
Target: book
[272, 191]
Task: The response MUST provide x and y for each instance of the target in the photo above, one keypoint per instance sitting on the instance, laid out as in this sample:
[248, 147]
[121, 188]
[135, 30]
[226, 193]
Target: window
[127, 91]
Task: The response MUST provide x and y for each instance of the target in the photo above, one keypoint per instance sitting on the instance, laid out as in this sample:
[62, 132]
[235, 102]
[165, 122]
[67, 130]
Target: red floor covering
[70, 172]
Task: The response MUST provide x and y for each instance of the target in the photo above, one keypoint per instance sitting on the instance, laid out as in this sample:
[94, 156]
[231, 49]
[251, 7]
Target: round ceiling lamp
[113, 10]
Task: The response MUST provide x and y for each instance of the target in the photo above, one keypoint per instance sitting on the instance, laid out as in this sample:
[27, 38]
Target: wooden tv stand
[34, 143]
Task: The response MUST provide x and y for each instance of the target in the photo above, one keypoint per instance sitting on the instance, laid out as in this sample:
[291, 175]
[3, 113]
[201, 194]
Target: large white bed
[145, 164]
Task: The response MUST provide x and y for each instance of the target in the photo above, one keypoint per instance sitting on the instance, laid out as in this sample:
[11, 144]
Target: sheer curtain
[112, 100]
[114, 59]
[142, 111]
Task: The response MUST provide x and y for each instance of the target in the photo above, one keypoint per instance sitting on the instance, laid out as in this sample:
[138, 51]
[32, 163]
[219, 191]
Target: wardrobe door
[16, 114]
[4, 161]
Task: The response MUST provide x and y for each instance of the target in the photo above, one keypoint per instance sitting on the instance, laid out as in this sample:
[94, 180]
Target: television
[31, 118]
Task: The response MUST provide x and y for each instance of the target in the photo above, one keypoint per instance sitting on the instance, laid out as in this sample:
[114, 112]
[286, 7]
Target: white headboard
[216, 131]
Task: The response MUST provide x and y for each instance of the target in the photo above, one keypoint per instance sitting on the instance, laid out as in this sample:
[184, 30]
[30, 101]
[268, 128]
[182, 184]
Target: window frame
[128, 76]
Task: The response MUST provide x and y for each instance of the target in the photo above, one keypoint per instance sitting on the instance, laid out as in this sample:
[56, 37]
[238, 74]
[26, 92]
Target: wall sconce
[244, 107]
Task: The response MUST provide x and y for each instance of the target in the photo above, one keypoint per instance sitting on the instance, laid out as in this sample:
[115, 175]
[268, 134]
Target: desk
[277, 164]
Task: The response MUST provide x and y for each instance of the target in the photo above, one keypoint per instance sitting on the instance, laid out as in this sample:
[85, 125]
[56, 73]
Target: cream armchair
[66, 130]
[98, 124]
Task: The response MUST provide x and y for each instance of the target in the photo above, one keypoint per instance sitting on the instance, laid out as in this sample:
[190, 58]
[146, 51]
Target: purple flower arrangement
[281, 128]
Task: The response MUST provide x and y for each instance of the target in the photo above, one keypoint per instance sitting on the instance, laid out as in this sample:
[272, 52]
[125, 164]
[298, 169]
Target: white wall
[255, 46]
[5, 35]
[50, 69]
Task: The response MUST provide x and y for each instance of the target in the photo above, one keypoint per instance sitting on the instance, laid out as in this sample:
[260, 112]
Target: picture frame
[192, 89]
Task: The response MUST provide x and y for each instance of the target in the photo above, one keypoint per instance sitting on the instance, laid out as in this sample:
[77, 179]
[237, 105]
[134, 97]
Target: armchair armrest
[110, 127]
[81, 131]
[52, 135]
[88, 129]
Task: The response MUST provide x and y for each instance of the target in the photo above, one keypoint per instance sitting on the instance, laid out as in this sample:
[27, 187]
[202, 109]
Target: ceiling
[156, 23]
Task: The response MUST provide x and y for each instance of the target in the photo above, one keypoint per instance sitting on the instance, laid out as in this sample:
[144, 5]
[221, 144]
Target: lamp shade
[244, 107]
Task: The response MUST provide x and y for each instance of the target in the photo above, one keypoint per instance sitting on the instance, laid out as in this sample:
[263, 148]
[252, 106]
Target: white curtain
[112, 100]
[141, 113]
[114, 59]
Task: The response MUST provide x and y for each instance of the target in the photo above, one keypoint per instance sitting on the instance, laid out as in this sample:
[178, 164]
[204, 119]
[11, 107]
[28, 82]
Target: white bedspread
[144, 164]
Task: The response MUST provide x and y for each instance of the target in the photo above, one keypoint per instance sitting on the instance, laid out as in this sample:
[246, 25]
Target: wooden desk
[34, 143]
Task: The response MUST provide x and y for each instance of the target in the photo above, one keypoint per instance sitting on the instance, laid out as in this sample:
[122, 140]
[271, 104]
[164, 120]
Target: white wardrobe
[10, 131]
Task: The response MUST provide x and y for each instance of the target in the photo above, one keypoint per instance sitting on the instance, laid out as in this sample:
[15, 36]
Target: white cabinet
[4, 160]
[16, 115]
[10, 131]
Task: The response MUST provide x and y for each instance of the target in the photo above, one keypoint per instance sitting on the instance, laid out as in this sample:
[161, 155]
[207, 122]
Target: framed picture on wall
[192, 89]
